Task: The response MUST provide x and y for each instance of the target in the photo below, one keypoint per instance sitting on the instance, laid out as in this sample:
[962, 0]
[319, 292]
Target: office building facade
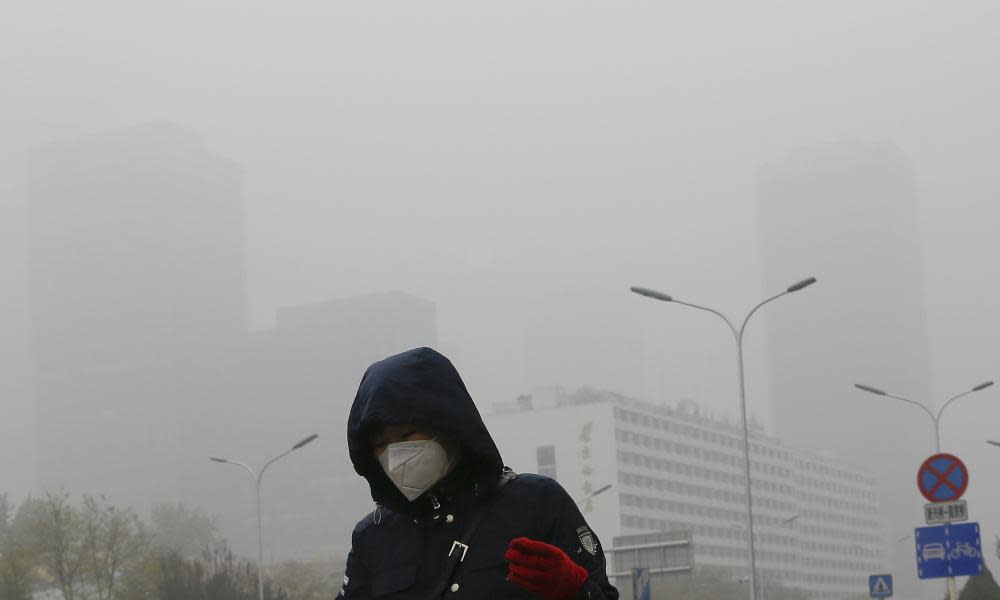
[816, 519]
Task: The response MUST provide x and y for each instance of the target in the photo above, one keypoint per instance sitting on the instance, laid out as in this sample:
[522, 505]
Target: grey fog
[215, 216]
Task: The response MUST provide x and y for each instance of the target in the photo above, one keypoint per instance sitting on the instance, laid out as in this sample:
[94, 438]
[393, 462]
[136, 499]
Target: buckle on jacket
[458, 544]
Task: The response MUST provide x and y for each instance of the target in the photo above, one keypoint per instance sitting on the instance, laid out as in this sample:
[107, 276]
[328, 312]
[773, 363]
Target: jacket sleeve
[573, 535]
[357, 580]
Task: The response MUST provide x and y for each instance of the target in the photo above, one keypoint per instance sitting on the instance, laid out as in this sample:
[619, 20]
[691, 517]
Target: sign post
[946, 550]
[640, 584]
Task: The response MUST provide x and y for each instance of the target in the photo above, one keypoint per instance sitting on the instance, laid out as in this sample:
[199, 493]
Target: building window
[547, 461]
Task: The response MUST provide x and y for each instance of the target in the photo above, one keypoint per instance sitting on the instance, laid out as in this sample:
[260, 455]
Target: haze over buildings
[297, 379]
[520, 167]
[847, 213]
[138, 280]
[142, 354]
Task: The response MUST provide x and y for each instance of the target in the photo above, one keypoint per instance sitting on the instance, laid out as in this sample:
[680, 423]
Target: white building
[815, 519]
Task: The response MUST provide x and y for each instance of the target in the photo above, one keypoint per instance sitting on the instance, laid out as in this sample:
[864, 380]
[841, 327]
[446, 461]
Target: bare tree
[183, 530]
[17, 564]
[6, 516]
[310, 580]
[217, 575]
[58, 538]
[113, 540]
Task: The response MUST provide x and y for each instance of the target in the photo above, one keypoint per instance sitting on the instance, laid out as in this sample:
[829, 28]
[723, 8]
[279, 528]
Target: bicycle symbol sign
[948, 550]
[942, 478]
[963, 549]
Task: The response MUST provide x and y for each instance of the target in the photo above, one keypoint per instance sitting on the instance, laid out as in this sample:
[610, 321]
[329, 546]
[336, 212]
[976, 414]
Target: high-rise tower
[848, 214]
[137, 275]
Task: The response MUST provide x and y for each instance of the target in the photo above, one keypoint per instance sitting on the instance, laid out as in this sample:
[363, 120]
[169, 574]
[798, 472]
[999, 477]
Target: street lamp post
[594, 493]
[738, 336]
[260, 528]
[599, 490]
[786, 522]
[936, 419]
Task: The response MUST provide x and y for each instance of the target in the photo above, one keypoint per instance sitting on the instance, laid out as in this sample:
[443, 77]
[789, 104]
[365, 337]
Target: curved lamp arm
[979, 387]
[226, 461]
[731, 325]
[879, 392]
[927, 410]
[935, 418]
[755, 309]
[799, 285]
[286, 453]
[738, 333]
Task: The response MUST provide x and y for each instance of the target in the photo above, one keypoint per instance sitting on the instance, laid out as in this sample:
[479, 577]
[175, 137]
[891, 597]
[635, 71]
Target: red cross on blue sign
[942, 478]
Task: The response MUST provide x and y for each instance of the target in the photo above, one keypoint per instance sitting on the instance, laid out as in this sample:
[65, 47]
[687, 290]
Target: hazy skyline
[497, 159]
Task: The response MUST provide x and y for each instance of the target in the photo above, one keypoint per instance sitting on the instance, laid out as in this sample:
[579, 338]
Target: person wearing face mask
[450, 520]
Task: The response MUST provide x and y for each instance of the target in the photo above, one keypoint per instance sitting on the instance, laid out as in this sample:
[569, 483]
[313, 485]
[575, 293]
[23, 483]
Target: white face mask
[414, 467]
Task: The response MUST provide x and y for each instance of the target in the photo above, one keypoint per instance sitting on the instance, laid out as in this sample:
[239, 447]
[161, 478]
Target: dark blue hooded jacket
[399, 550]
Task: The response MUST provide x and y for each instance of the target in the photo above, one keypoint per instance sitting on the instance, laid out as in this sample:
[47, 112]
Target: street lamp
[993, 442]
[935, 418]
[599, 490]
[791, 520]
[787, 522]
[738, 335]
[260, 529]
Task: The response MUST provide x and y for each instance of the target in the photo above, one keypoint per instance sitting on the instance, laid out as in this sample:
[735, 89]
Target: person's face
[390, 434]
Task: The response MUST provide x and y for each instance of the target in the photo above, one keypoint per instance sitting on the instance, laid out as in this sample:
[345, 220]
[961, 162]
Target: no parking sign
[942, 478]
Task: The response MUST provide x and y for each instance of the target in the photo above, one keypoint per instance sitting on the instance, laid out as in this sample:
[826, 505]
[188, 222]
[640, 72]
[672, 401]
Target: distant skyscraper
[847, 213]
[17, 428]
[296, 379]
[143, 363]
[137, 273]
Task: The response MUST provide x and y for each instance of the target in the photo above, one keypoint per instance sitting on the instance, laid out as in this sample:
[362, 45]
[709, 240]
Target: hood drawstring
[378, 513]
[435, 508]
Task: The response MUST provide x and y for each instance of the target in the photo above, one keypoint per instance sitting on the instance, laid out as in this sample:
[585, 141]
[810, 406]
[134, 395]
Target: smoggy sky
[500, 160]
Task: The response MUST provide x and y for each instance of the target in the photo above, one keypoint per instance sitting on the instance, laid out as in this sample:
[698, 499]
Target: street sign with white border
[948, 550]
[880, 586]
[939, 513]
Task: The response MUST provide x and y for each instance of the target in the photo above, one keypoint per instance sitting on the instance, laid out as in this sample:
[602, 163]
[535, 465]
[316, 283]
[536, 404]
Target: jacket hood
[419, 387]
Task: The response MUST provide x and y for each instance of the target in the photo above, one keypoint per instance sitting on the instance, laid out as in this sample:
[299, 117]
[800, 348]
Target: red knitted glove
[544, 570]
